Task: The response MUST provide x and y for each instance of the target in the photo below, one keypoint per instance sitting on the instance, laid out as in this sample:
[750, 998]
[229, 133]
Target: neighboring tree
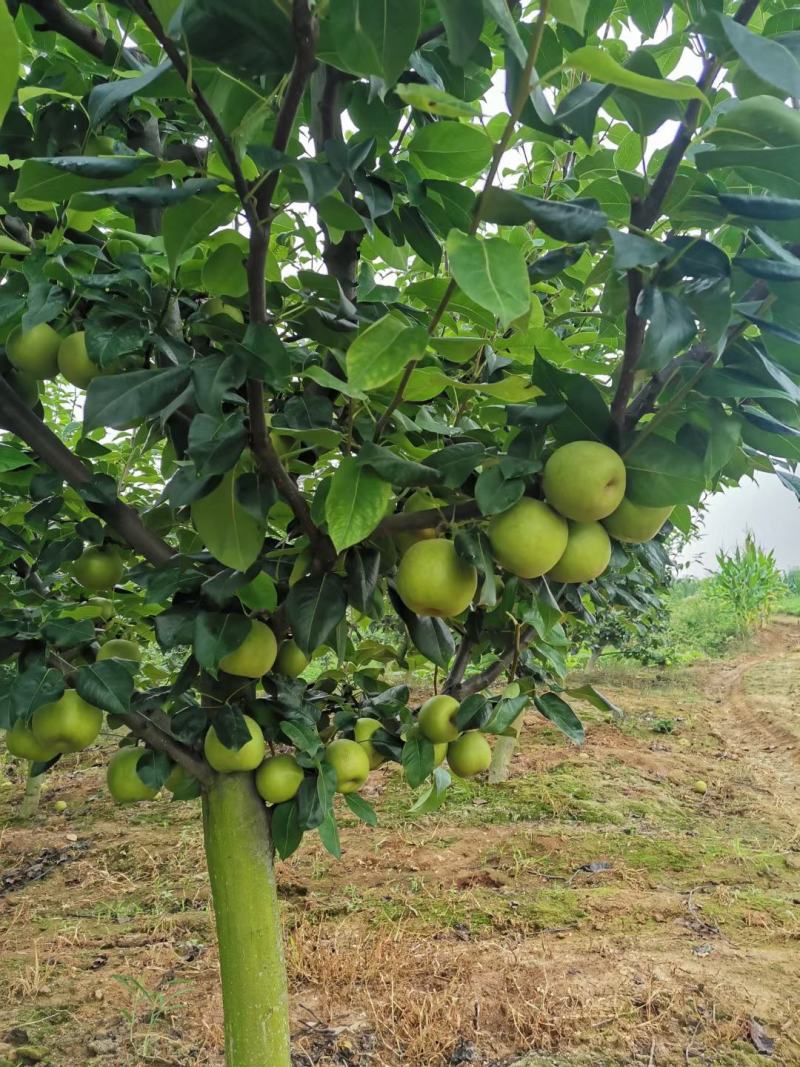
[304, 275]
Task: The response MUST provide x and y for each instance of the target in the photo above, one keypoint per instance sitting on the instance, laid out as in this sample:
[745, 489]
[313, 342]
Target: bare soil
[593, 911]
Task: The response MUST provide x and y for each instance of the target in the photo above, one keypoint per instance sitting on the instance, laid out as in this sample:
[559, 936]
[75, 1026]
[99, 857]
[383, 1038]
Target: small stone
[101, 1046]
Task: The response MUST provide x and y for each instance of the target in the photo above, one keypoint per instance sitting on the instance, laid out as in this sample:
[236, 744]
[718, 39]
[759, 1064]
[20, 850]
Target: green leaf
[68, 632]
[107, 684]
[418, 757]
[463, 23]
[491, 272]
[372, 38]
[153, 768]
[451, 149]
[315, 606]
[670, 330]
[228, 530]
[12, 458]
[633, 251]
[430, 635]
[600, 66]
[355, 504]
[597, 700]
[661, 473]
[393, 468]
[495, 493]
[329, 835]
[773, 270]
[215, 635]
[285, 828]
[123, 400]
[361, 809]
[766, 208]
[260, 594]
[767, 58]
[455, 463]
[570, 12]
[363, 574]
[506, 712]
[129, 198]
[34, 687]
[186, 224]
[103, 99]
[561, 715]
[572, 221]
[9, 59]
[435, 101]
[382, 350]
[107, 339]
[434, 795]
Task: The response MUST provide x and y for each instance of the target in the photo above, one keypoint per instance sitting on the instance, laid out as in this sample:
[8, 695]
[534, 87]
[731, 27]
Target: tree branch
[477, 682]
[173, 53]
[146, 730]
[634, 340]
[270, 464]
[421, 520]
[61, 21]
[460, 664]
[16, 417]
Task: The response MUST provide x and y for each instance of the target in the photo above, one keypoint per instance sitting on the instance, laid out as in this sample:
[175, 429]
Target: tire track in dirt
[752, 730]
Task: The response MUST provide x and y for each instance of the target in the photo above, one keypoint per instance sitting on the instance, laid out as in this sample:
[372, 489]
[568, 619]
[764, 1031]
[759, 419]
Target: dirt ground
[595, 910]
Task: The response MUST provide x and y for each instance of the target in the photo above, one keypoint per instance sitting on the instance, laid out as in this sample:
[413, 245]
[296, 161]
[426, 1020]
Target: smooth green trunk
[30, 802]
[255, 998]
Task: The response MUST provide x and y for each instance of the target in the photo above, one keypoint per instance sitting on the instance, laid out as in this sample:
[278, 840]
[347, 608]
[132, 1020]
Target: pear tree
[341, 338]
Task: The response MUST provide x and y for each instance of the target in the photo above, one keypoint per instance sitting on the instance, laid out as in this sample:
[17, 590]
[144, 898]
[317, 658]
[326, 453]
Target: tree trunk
[255, 998]
[504, 749]
[30, 802]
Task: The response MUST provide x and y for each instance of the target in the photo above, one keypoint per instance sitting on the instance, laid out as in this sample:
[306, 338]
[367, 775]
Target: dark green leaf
[361, 809]
[495, 493]
[418, 757]
[124, 400]
[105, 98]
[363, 572]
[33, 687]
[315, 606]
[394, 468]
[456, 462]
[285, 827]
[670, 330]
[767, 58]
[107, 684]
[215, 635]
[463, 22]
[68, 632]
[766, 208]
[153, 768]
[571, 221]
[661, 473]
[329, 835]
[561, 715]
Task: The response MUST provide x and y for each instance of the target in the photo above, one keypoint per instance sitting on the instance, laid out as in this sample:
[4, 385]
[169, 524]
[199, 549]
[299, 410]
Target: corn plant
[749, 582]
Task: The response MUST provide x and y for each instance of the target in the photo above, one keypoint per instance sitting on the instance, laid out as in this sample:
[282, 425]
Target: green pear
[122, 779]
[350, 762]
[278, 779]
[21, 743]
[229, 761]
[528, 539]
[119, 649]
[364, 729]
[584, 480]
[34, 351]
[69, 724]
[436, 718]
[291, 660]
[586, 556]
[254, 656]
[469, 755]
[636, 523]
[74, 362]
[433, 580]
[99, 568]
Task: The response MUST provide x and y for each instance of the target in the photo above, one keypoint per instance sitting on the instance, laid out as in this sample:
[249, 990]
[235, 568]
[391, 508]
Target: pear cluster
[42, 353]
[565, 537]
[467, 752]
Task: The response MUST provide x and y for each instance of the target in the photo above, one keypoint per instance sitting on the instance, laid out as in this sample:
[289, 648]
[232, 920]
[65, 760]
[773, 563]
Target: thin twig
[477, 682]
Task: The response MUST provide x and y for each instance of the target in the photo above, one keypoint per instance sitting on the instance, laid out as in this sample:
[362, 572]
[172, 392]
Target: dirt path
[758, 721]
[594, 911]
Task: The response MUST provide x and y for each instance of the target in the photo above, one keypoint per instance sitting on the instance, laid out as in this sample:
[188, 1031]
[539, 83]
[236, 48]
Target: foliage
[748, 582]
[316, 276]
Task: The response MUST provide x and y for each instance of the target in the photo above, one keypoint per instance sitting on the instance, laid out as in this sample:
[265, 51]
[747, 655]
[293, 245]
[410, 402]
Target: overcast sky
[763, 506]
